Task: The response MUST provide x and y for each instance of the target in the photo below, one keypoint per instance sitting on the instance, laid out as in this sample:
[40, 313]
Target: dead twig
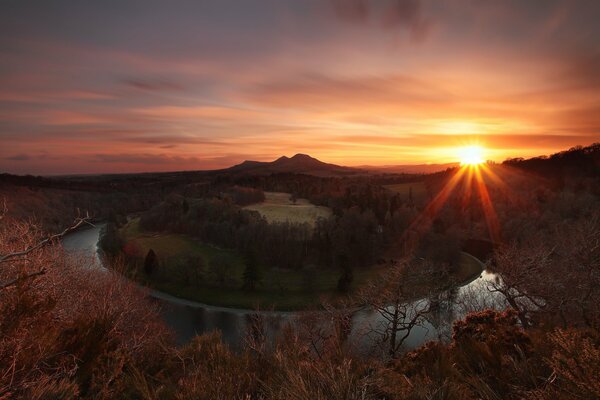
[50, 239]
[21, 278]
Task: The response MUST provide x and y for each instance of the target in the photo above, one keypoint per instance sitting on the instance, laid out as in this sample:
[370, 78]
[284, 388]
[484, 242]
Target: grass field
[279, 289]
[278, 207]
[172, 246]
[419, 191]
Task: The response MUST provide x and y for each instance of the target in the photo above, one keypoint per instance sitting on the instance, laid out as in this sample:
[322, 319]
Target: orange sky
[150, 86]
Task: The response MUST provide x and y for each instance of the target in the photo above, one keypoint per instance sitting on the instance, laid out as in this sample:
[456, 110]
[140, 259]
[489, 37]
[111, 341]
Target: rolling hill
[298, 164]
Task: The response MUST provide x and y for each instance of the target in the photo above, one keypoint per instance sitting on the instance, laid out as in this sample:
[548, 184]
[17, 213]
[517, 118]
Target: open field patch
[198, 271]
[278, 207]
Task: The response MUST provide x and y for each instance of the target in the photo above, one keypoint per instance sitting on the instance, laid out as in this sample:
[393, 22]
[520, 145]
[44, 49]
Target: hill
[298, 164]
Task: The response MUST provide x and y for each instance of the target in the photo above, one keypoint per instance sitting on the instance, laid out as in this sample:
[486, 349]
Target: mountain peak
[298, 158]
[248, 162]
[301, 160]
[299, 163]
[281, 159]
[301, 156]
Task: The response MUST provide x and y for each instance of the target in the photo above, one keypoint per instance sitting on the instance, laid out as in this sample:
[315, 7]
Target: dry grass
[278, 207]
[79, 333]
[73, 331]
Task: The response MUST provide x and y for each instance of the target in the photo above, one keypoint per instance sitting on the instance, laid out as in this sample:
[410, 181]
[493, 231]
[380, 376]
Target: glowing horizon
[471, 155]
[87, 88]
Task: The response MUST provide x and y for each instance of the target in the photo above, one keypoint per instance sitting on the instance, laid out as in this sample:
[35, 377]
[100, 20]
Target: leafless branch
[21, 278]
[50, 239]
[4, 209]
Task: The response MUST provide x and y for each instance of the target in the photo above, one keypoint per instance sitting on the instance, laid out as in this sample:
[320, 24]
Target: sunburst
[471, 155]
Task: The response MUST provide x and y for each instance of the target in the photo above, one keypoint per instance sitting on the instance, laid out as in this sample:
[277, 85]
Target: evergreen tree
[347, 277]
[251, 272]
[110, 240]
[150, 262]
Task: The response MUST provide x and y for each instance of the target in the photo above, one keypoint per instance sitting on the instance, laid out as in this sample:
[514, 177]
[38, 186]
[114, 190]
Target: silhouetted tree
[221, 267]
[251, 274]
[150, 262]
[309, 277]
[393, 297]
[347, 277]
[110, 241]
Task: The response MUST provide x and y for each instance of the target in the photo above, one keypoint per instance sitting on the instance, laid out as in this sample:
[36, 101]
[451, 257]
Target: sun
[471, 155]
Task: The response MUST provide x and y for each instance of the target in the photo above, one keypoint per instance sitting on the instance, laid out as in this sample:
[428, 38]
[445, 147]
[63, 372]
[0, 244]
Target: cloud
[198, 113]
[149, 159]
[389, 14]
[153, 85]
[351, 10]
[18, 96]
[63, 117]
[582, 71]
[327, 92]
[494, 141]
[18, 157]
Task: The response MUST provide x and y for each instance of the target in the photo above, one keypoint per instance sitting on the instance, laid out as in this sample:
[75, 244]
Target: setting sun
[471, 155]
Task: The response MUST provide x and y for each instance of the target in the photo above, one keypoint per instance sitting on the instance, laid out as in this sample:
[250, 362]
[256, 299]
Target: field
[278, 289]
[419, 191]
[281, 289]
[278, 207]
[170, 247]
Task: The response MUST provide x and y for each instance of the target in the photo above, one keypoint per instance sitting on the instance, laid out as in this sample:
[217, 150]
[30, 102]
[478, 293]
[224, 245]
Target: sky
[148, 85]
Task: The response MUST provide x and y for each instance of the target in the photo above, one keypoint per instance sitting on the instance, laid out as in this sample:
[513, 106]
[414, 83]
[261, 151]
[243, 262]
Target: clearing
[181, 274]
[278, 207]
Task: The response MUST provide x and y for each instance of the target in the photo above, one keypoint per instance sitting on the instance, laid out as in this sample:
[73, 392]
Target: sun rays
[470, 183]
[489, 212]
[471, 155]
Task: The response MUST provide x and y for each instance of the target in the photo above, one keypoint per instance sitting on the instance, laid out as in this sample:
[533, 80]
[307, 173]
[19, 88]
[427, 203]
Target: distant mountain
[305, 164]
[408, 169]
[298, 164]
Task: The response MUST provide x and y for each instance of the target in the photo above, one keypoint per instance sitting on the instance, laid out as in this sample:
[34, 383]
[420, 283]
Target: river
[188, 318]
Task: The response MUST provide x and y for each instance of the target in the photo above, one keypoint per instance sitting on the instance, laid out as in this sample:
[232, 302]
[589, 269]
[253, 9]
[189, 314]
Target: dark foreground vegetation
[77, 333]
[73, 332]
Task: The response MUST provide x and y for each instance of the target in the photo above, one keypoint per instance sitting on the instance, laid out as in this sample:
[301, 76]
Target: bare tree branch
[4, 210]
[16, 255]
[21, 278]
[395, 300]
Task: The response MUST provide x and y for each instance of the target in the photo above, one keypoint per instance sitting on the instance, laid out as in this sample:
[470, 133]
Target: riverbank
[200, 272]
[196, 271]
[189, 318]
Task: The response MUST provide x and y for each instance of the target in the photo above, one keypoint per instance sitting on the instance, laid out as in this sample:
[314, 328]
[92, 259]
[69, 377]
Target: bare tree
[557, 279]
[394, 297]
[327, 331]
[522, 278]
[70, 311]
[22, 255]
